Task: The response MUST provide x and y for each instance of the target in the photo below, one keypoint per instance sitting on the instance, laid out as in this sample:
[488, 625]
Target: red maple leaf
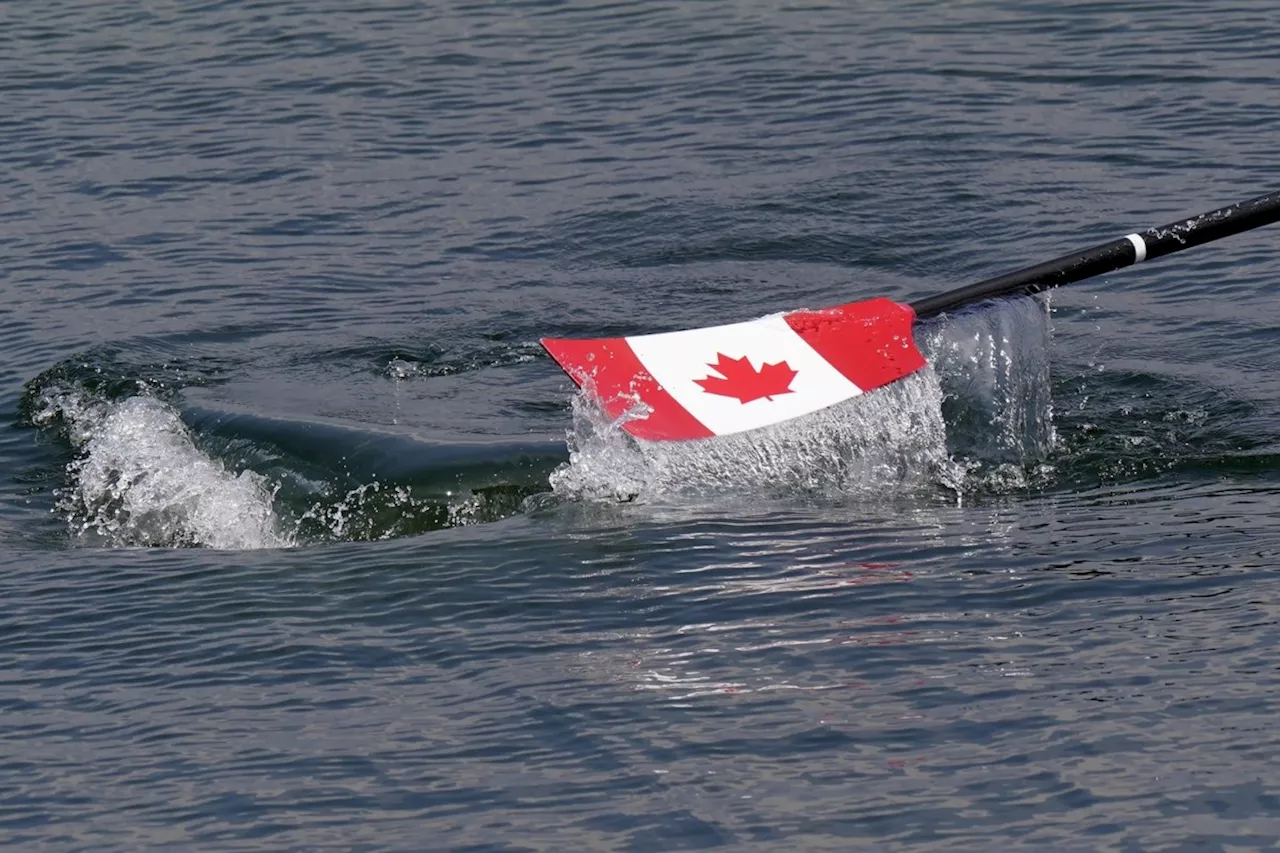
[739, 379]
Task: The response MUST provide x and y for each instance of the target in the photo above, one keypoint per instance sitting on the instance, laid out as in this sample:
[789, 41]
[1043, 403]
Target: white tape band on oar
[1139, 248]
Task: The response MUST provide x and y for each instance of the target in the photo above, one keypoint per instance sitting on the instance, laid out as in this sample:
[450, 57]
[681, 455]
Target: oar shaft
[1107, 257]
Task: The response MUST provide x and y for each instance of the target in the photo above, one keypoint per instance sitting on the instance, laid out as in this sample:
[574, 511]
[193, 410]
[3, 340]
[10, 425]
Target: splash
[140, 479]
[977, 418]
[142, 476]
[380, 511]
[993, 366]
[892, 436]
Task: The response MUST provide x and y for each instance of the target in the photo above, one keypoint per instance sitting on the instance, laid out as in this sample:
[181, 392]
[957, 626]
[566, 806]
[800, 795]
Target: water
[306, 544]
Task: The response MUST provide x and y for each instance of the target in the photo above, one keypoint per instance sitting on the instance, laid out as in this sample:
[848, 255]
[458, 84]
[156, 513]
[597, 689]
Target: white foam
[140, 479]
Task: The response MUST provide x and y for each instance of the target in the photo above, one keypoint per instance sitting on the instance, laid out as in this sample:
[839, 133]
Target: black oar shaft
[1107, 257]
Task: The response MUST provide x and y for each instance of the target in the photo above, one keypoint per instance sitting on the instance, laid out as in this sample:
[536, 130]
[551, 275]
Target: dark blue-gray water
[306, 545]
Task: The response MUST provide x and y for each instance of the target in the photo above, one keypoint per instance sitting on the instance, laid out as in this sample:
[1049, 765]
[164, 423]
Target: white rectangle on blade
[677, 359]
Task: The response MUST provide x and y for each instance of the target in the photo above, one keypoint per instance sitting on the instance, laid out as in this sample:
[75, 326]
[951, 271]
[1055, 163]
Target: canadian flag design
[721, 380]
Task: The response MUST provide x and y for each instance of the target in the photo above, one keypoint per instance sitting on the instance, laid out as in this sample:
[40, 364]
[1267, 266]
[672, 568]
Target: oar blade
[720, 380]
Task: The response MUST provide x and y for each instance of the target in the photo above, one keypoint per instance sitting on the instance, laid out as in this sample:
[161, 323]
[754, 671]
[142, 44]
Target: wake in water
[143, 476]
[977, 418]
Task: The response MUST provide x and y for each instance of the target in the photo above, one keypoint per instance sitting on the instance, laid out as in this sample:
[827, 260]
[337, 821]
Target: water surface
[307, 545]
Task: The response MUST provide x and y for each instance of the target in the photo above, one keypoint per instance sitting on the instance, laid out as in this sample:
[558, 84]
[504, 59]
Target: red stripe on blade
[870, 342]
[609, 370]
